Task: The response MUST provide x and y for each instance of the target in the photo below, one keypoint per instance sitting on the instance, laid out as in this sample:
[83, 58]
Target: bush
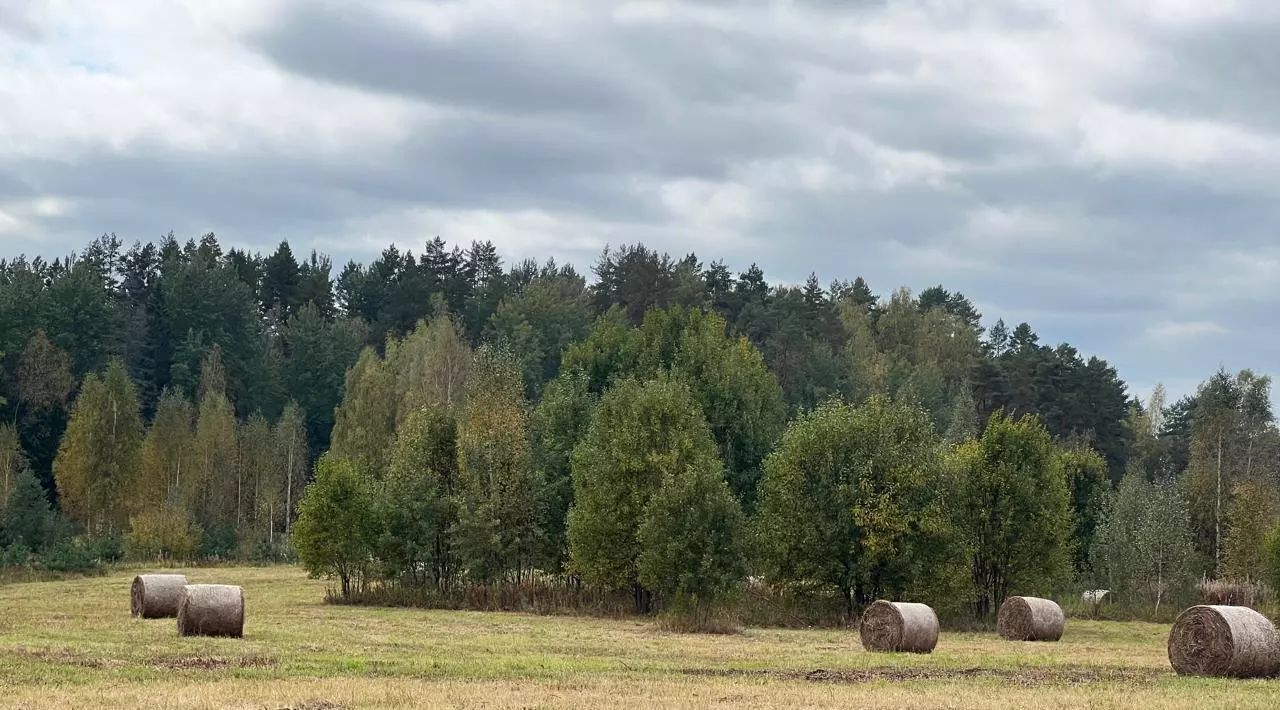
[337, 524]
[692, 552]
[76, 554]
[218, 543]
[164, 534]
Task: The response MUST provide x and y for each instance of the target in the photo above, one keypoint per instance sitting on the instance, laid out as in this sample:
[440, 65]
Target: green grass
[72, 643]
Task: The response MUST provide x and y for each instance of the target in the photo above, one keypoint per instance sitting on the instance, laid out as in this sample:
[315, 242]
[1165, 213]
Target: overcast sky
[1108, 171]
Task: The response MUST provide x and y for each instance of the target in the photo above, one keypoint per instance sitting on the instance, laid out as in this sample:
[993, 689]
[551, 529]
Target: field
[73, 644]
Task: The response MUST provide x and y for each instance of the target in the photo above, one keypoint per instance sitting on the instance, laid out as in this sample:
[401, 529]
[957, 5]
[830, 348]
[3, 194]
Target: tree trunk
[1217, 512]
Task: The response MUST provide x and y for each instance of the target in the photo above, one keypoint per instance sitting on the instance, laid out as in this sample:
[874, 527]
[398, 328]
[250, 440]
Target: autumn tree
[217, 473]
[291, 452]
[1231, 429]
[498, 529]
[97, 461]
[44, 375]
[167, 472]
[364, 425]
[429, 366]
[1255, 510]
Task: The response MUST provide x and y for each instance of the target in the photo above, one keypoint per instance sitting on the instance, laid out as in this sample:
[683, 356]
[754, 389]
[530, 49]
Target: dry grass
[74, 645]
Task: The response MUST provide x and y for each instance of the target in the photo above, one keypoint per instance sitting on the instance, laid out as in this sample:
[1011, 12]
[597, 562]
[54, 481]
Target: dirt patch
[212, 663]
[313, 705]
[1030, 677]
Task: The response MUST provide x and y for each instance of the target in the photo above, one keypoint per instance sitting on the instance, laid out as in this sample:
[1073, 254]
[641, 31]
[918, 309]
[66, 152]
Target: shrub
[165, 533]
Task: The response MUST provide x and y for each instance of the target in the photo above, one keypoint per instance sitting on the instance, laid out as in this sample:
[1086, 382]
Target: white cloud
[1172, 330]
[1046, 158]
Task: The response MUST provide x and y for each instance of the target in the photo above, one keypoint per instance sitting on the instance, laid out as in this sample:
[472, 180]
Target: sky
[1106, 170]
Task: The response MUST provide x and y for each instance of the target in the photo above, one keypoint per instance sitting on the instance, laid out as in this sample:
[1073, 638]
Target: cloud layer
[1106, 170]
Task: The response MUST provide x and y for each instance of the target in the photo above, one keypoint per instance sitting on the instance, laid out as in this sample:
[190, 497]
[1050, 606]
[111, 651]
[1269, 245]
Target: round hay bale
[211, 610]
[1224, 642]
[156, 596]
[1030, 619]
[1095, 596]
[892, 627]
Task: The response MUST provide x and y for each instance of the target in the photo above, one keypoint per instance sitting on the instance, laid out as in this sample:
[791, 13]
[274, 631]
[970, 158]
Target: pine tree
[26, 519]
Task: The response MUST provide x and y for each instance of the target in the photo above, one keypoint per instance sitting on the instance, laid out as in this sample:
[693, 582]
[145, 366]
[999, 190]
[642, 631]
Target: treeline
[670, 430]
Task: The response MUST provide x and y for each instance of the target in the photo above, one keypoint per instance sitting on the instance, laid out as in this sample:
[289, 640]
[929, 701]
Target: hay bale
[156, 596]
[1030, 619]
[1095, 596]
[1224, 641]
[899, 626]
[211, 610]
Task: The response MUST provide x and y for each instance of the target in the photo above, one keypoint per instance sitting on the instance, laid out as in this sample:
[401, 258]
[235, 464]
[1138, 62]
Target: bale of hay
[1224, 641]
[1095, 596]
[156, 596]
[899, 626]
[1030, 619]
[211, 610]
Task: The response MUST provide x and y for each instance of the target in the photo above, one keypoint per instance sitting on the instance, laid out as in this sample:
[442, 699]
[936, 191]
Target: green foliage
[1088, 485]
[364, 425]
[429, 366]
[1014, 511]
[549, 314]
[166, 471]
[12, 460]
[1271, 557]
[641, 435]
[418, 508]
[97, 461]
[740, 399]
[498, 533]
[1142, 548]
[164, 533]
[1255, 510]
[693, 552]
[855, 499]
[337, 524]
[26, 519]
[217, 472]
[556, 426]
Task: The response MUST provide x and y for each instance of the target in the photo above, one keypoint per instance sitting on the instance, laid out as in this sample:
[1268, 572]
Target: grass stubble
[72, 643]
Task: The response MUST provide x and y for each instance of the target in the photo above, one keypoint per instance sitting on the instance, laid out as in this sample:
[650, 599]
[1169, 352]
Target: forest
[445, 429]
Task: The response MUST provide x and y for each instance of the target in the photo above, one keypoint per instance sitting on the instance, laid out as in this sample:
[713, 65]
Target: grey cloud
[491, 69]
[1227, 71]
[589, 124]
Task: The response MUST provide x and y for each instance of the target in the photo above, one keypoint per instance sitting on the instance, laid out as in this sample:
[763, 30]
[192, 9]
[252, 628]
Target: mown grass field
[73, 644]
